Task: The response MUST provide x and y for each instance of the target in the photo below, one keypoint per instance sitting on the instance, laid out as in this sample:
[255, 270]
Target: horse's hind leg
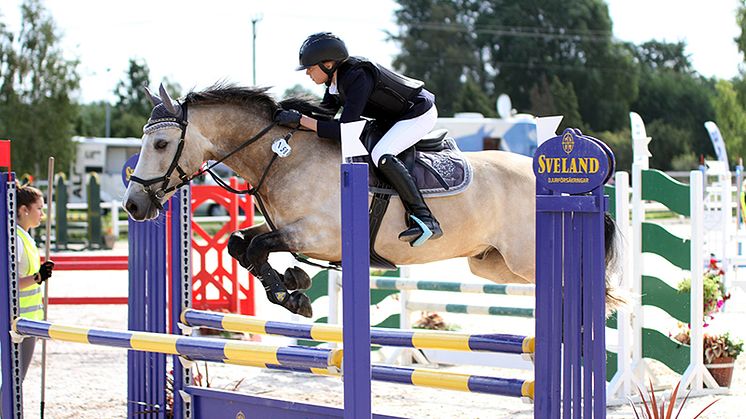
[294, 277]
[491, 265]
[255, 259]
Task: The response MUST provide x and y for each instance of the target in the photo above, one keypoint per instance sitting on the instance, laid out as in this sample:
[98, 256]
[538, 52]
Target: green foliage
[714, 290]
[91, 120]
[668, 142]
[712, 293]
[556, 98]
[675, 101]
[36, 111]
[132, 107]
[714, 346]
[722, 346]
[731, 119]
[473, 99]
[621, 144]
[437, 47]
[130, 93]
[558, 58]
[741, 21]
[526, 42]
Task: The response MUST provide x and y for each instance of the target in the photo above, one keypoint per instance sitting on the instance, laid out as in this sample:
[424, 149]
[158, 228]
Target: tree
[130, 91]
[556, 98]
[527, 42]
[133, 108]
[36, 112]
[437, 47]
[472, 98]
[91, 120]
[730, 117]
[676, 96]
[511, 46]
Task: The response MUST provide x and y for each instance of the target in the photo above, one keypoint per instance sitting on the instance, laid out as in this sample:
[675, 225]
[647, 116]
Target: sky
[197, 43]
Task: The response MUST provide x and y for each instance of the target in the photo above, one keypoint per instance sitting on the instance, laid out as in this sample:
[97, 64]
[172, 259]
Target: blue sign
[573, 163]
[129, 167]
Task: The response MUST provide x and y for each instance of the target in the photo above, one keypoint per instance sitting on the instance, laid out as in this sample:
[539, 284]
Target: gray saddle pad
[441, 173]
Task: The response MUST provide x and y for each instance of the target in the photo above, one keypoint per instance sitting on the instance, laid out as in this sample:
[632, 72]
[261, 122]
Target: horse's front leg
[255, 260]
[294, 277]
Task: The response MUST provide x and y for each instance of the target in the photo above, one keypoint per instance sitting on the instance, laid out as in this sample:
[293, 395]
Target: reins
[157, 195]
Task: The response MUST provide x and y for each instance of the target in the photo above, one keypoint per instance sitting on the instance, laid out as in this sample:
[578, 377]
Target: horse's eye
[161, 144]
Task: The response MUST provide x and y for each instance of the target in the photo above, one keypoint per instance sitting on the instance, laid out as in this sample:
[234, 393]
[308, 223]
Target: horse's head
[167, 157]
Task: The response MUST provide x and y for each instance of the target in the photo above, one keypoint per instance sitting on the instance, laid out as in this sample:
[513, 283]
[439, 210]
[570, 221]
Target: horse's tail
[612, 244]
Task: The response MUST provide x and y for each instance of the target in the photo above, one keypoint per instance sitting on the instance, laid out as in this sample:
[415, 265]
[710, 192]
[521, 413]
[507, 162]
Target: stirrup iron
[426, 232]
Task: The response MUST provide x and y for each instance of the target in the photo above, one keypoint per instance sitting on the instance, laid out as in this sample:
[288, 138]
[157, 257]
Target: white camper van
[105, 156]
[474, 132]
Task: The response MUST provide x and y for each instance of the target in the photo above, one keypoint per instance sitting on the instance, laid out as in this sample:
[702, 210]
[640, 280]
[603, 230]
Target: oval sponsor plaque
[572, 163]
[129, 167]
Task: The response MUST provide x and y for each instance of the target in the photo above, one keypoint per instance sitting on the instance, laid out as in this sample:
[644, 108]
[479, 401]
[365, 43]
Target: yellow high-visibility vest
[31, 302]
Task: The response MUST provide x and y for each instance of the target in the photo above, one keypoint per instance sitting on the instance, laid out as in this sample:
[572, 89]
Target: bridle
[156, 195]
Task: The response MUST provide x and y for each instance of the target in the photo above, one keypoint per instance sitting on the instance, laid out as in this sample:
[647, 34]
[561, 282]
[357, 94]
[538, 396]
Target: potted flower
[713, 284]
[109, 238]
[720, 353]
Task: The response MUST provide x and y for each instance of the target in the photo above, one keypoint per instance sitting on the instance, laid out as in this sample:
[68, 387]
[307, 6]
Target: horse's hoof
[296, 278]
[299, 303]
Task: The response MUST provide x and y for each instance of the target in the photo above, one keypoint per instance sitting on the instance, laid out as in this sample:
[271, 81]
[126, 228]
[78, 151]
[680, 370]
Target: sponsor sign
[573, 163]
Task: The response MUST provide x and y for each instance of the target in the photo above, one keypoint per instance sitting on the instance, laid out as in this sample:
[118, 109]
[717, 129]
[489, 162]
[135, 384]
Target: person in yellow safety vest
[32, 273]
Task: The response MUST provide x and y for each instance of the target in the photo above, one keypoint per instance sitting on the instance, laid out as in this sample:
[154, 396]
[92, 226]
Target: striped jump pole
[193, 348]
[422, 377]
[420, 339]
[471, 309]
[405, 284]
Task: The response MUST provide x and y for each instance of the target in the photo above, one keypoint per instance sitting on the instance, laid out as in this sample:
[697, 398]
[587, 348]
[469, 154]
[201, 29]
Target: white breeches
[404, 134]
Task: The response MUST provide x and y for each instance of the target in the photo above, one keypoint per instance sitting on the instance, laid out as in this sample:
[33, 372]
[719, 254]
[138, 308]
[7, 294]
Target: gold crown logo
[568, 143]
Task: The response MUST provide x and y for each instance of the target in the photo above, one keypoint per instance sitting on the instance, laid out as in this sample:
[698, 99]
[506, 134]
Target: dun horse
[491, 222]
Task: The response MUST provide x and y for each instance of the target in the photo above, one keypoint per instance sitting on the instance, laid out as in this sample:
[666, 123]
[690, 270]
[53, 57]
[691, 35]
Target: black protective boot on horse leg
[294, 277]
[296, 302]
[425, 226]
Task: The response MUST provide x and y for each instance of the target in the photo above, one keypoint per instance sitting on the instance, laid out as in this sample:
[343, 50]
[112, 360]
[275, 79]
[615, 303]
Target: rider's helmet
[320, 47]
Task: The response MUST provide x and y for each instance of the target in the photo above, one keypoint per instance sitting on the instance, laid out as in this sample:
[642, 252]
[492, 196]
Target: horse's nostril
[131, 206]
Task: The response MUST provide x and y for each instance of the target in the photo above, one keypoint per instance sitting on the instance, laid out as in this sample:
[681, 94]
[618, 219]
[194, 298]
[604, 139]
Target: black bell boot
[423, 225]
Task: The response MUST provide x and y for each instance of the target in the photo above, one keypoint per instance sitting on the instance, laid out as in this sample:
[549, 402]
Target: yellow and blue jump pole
[194, 348]
[420, 339]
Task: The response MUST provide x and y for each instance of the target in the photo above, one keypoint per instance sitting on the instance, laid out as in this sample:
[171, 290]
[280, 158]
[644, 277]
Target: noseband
[157, 195]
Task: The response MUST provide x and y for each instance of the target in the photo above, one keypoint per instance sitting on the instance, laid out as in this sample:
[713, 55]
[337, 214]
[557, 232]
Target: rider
[367, 89]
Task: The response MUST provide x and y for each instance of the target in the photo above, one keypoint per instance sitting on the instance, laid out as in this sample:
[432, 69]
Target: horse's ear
[173, 109]
[155, 100]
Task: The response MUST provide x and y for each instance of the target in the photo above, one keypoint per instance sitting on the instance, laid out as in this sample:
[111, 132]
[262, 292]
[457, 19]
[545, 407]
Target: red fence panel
[219, 282]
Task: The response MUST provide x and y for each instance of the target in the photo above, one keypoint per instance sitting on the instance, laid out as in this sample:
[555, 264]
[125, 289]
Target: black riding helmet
[320, 47]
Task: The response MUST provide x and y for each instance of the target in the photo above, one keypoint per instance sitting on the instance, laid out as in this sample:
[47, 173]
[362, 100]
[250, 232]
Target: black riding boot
[399, 177]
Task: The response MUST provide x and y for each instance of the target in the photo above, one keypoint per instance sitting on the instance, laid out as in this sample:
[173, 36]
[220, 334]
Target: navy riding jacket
[357, 85]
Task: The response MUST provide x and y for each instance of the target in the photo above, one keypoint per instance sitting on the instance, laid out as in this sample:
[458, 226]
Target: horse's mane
[256, 97]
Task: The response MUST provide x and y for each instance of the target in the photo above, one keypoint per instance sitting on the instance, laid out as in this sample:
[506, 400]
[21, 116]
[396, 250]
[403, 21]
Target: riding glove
[45, 272]
[289, 118]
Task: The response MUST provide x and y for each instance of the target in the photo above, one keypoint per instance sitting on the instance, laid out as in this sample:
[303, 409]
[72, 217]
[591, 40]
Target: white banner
[351, 144]
[717, 142]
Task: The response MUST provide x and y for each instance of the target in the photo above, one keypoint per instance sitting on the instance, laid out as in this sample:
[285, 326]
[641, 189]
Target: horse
[491, 223]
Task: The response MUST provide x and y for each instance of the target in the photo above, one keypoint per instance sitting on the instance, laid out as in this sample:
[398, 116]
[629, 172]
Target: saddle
[436, 164]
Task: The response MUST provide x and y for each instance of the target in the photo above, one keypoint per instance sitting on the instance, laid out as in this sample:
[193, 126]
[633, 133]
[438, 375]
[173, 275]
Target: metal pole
[47, 245]
[253, 47]
[107, 130]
